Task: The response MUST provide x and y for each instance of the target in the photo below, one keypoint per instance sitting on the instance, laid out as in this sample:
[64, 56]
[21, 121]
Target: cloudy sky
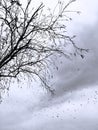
[75, 103]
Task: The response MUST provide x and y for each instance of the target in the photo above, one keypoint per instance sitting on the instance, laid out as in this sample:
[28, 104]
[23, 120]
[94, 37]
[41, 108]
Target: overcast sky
[75, 103]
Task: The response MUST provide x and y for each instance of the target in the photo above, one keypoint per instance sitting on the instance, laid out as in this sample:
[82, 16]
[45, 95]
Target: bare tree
[28, 37]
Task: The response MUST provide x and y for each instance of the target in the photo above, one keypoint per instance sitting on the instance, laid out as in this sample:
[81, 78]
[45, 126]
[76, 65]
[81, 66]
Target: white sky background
[75, 105]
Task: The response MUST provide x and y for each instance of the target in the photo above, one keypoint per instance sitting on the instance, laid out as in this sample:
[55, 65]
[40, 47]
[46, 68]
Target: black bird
[17, 2]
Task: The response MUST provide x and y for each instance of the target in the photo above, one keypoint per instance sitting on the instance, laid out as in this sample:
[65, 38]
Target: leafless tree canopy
[28, 37]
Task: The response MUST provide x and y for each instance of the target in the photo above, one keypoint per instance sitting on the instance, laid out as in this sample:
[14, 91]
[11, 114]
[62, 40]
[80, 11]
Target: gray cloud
[80, 73]
[83, 124]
